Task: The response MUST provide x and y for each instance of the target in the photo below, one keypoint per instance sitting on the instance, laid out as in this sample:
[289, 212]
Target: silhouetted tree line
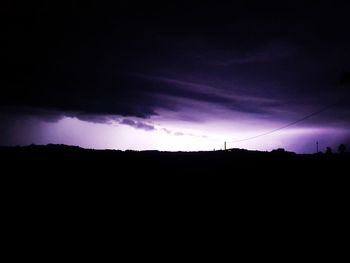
[341, 149]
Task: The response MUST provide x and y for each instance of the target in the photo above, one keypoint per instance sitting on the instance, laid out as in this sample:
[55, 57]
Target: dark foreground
[62, 168]
[72, 190]
[74, 161]
[66, 165]
[59, 171]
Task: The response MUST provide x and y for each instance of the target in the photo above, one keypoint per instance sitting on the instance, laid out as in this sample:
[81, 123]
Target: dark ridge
[232, 163]
[58, 182]
[60, 171]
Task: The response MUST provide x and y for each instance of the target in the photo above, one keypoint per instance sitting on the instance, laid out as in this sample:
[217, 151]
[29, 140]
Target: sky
[176, 76]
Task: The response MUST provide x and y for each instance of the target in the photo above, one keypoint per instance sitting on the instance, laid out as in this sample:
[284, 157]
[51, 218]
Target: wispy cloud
[137, 124]
[274, 52]
[179, 134]
[166, 130]
[197, 92]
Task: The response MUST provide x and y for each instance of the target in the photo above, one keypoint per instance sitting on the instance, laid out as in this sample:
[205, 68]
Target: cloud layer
[257, 61]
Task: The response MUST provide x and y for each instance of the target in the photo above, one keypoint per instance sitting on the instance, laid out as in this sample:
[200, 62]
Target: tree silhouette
[328, 150]
[342, 148]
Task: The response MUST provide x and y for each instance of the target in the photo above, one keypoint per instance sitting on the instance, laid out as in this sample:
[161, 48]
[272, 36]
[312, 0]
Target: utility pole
[225, 146]
[316, 147]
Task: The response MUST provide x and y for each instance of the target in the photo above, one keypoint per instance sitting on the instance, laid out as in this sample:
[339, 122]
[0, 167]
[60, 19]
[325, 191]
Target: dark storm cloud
[204, 93]
[124, 59]
[94, 118]
[46, 115]
[137, 124]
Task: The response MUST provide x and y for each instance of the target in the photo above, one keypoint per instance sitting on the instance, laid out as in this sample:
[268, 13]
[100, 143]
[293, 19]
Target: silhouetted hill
[50, 186]
[231, 163]
[69, 169]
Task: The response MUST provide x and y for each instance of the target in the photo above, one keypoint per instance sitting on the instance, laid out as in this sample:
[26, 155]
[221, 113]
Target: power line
[287, 125]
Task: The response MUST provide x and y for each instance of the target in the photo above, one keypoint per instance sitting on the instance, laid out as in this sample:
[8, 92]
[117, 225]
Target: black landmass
[69, 170]
[233, 163]
[54, 173]
[59, 190]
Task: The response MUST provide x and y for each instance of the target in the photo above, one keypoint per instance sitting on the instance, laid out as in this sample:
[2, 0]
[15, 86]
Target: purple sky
[172, 133]
[183, 76]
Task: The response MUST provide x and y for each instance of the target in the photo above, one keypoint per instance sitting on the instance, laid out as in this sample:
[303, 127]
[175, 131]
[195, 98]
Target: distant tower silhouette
[225, 146]
[316, 147]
